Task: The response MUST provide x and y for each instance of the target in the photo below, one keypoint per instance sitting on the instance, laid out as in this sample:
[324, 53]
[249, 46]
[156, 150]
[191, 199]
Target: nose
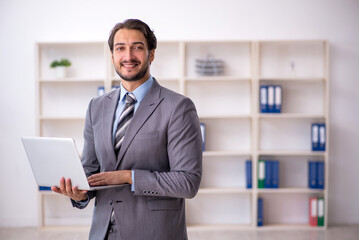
[128, 54]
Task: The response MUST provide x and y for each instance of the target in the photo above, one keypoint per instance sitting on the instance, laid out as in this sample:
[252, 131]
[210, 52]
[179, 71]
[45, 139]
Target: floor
[332, 233]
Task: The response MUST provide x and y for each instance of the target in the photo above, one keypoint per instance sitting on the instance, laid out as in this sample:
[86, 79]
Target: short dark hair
[134, 24]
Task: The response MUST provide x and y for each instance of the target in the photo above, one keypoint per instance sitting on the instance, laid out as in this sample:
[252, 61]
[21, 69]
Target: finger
[69, 186]
[62, 185]
[78, 192]
[56, 189]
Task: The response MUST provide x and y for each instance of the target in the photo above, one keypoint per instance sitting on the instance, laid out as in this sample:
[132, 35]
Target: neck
[130, 86]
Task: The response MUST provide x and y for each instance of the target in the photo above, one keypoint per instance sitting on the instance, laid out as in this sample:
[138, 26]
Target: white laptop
[54, 158]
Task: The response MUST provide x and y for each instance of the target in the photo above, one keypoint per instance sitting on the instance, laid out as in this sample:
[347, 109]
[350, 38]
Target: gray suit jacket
[163, 145]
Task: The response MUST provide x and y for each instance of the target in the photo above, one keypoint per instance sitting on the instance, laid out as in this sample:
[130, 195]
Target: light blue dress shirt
[139, 93]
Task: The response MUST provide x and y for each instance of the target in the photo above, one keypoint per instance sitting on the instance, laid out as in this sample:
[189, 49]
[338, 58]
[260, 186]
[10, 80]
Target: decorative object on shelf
[209, 66]
[60, 67]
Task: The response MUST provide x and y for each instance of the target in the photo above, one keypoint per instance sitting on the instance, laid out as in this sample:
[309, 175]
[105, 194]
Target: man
[144, 135]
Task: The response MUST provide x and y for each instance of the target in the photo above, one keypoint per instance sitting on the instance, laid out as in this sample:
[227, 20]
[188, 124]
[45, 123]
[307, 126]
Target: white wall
[23, 22]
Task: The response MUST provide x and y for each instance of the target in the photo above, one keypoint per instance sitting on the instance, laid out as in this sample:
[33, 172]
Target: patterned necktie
[125, 119]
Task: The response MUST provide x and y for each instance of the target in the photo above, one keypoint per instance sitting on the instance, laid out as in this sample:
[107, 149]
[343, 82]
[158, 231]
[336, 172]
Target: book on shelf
[203, 132]
[277, 99]
[43, 188]
[260, 212]
[263, 95]
[316, 171]
[318, 135]
[270, 98]
[321, 211]
[249, 174]
[100, 91]
[313, 211]
[261, 173]
[316, 211]
[268, 174]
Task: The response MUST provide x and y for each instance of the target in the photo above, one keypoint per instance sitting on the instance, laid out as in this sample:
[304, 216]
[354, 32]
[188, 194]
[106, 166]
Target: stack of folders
[270, 97]
[316, 174]
[260, 212]
[100, 91]
[268, 174]
[316, 211]
[203, 131]
[318, 136]
[249, 174]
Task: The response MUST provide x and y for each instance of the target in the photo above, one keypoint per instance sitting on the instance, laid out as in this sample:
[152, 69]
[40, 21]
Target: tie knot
[130, 98]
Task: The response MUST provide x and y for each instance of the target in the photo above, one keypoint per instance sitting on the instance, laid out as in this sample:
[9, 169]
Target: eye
[120, 48]
[139, 47]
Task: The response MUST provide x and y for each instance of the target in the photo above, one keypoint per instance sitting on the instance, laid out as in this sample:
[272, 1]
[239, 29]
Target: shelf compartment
[218, 98]
[71, 99]
[298, 98]
[167, 61]
[223, 172]
[293, 173]
[287, 208]
[59, 212]
[64, 129]
[227, 135]
[236, 57]
[222, 209]
[88, 60]
[292, 59]
[277, 135]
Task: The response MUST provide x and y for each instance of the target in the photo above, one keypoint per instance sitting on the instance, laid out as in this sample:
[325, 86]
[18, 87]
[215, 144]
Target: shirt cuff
[133, 180]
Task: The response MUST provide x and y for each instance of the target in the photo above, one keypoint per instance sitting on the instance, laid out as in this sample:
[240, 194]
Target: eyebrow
[134, 43]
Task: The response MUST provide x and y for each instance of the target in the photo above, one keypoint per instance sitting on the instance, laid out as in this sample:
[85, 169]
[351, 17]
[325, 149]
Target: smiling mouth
[130, 65]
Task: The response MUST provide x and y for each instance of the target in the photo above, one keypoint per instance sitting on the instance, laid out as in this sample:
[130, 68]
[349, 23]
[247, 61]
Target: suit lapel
[148, 104]
[110, 104]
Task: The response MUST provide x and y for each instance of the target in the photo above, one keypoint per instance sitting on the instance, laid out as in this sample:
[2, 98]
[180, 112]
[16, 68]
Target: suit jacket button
[144, 191]
[111, 202]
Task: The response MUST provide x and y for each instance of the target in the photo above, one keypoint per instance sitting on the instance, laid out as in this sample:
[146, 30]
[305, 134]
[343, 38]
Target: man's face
[130, 56]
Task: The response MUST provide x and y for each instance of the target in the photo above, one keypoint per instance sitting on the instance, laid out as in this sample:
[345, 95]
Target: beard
[141, 73]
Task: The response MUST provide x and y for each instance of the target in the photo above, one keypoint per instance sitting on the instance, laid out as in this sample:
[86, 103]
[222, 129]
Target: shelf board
[207, 79]
[299, 226]
[293, 79]
[290, 115]
[290, 153]
[289, 190]
[226, 153]
[224, 190]
[216, 227]
[73, 80]
[244, 116]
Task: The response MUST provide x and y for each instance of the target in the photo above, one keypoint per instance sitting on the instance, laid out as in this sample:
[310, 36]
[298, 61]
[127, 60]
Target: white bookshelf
[228, 105]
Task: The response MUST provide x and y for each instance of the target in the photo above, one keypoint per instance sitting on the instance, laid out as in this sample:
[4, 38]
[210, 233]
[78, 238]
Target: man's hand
[67, 190]
[110, 178]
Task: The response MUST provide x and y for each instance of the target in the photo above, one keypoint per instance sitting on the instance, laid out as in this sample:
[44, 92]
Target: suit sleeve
[184, 149]
[88, 158]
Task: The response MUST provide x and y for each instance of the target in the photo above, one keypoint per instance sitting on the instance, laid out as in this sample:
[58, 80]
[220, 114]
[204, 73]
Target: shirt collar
[139, 92]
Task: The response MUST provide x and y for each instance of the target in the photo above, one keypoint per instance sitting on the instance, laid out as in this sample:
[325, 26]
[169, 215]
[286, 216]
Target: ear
[152, 55]
[112, 58]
